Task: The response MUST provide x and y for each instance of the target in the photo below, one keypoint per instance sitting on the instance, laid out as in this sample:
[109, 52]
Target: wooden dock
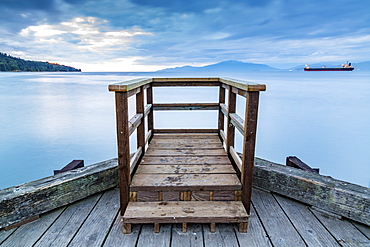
[274, 221]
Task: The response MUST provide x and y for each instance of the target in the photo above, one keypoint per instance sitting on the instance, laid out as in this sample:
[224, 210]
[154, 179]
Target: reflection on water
[49, 119]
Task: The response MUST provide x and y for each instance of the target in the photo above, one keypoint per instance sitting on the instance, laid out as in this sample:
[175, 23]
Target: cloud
[174, 33]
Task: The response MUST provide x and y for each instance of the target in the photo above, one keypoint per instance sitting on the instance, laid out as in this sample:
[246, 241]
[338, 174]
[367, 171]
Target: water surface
[49, 119]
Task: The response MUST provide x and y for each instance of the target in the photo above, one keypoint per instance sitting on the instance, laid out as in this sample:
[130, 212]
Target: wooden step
[185, 212]
[183, 182]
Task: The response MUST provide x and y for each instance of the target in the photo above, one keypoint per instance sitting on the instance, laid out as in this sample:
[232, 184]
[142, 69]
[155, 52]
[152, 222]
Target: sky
[148, 35]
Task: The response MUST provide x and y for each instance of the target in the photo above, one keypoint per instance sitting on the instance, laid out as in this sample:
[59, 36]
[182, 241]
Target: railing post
[230, 136]
[123, 139]
[149, 100]
[141, 128]
[220, 113]
[250, 129]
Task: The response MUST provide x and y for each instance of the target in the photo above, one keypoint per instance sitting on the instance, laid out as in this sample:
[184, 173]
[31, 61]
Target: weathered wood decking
[274, 221]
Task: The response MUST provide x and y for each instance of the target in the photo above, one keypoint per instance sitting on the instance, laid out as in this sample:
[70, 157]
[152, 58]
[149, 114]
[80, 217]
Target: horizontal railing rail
[226, 110]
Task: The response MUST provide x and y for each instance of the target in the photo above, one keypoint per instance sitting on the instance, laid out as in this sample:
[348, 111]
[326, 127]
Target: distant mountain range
[238, 66]
[10, 63]
[229, 66]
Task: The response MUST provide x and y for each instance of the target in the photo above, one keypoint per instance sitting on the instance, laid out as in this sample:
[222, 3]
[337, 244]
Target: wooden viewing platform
[176, 174]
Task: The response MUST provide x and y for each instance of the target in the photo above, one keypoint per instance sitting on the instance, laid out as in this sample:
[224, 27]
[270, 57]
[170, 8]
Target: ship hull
[328, 69]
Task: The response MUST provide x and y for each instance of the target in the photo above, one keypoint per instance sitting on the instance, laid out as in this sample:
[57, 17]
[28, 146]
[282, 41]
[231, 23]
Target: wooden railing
[144, 114]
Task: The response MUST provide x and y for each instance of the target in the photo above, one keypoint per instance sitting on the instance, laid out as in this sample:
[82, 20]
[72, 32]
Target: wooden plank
[28, 234]
[133, 92]
[224, 235]
[192, 237]
[177, 182]
[363, 228]
[135, 158]
[134, 122]
[70, 166]
[279, 229]
[147, 109]
[244, 85]
[256, 235]
[94, 230]
[148, 137]
[179, 169]
[185, 106]
[342, 230]
[310, 229]
[129, 85]
[21, 202]
[224, 109]
[204, 141]
[346, 199]
[185, 145]
[236, 158]
[238, 122]
[5, 234]
[178, 160]
[148, 238]
[68, 223]
[182, 152]
[293, 161]
[249, 145]
[185, 80]
[184, 131]
[185, 212]
[185, 136]
[117, 238]
[222, 135]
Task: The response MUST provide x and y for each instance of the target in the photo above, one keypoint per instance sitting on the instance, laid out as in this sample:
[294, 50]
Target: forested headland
[10, 63]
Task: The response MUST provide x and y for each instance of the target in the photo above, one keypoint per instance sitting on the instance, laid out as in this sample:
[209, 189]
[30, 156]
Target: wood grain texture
[224, 236]
[94, 230]
[310, 229]
[256, 235]
[274, 219]
[64, 228]
[342, 230]
[346, 199]
[192, 237]
[117, 238]
[148, 238]
[186, 160]
[177, 182]
[179, 169]
[34, 198]
[185, 212]
[28, 234]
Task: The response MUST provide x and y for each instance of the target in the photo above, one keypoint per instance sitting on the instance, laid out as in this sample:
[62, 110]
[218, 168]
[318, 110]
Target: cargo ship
[345, 67]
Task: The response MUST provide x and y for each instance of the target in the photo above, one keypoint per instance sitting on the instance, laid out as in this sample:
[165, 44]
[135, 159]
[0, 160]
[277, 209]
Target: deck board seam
[110, 228]
[87, 216]
[65, 208]
[262, 224]
[295, 228]
[326, 228]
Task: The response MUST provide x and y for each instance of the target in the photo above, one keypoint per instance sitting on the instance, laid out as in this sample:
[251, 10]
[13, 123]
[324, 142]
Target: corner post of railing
[141, 128]
[123, 139]
[250, 129]
[221, 117]
[230, 136]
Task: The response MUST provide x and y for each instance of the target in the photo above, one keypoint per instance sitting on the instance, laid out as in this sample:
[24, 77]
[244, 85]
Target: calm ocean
[49, 119]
